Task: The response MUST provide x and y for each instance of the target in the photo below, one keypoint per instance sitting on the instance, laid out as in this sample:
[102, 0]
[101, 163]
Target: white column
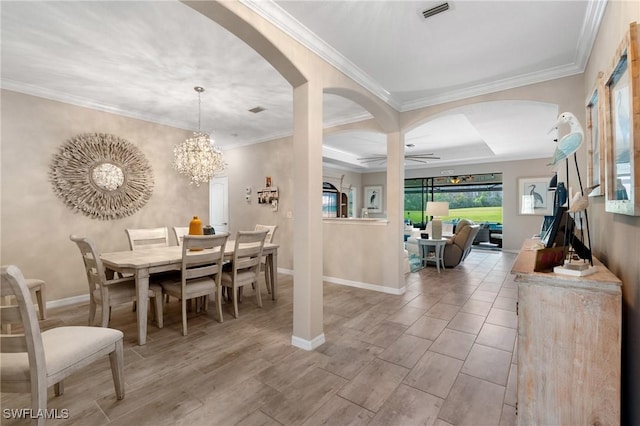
[395, 210]
[307, 240]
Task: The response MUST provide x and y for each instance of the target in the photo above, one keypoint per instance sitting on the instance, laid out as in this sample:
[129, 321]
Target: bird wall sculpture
[570, 143]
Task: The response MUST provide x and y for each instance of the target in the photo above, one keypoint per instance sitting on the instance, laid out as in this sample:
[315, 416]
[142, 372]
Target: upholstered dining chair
[34, 360]
[180, 232]
[244, 269]
[147, 238]
[202, 259]
[110, 292]
[36, 286]
[143, 238]
[271, 229]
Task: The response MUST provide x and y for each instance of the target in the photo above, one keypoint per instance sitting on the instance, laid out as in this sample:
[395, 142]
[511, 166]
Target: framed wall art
[103, 176]
[622, 124]
[534, 196]
[373, 199]
[595, 138]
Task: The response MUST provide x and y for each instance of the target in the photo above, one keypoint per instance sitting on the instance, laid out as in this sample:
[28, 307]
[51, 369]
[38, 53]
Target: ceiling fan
[418, 158]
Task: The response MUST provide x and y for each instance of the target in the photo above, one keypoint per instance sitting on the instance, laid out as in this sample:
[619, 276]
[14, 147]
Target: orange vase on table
[195, 228]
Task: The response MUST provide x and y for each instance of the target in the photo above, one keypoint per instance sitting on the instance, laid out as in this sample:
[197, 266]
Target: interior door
[219, 203]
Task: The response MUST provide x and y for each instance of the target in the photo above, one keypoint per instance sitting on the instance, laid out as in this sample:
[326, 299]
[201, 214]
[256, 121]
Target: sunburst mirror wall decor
[101, 175]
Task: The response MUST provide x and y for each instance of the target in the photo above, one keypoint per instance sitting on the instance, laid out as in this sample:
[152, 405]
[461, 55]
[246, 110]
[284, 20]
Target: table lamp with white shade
[437, 209]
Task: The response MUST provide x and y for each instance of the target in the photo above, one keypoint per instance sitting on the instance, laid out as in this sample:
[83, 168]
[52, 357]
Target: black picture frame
[553, 237]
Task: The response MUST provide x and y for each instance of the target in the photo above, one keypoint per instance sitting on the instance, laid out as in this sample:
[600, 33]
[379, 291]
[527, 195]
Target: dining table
[144, 263]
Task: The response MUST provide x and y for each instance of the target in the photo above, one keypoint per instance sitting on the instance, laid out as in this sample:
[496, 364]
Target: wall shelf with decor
[269, 196]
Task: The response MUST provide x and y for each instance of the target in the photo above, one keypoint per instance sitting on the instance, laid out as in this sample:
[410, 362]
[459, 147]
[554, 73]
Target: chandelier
[197, 157]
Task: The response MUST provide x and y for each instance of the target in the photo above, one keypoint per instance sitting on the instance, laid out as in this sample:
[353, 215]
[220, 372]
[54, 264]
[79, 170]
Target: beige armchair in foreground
[459, 245]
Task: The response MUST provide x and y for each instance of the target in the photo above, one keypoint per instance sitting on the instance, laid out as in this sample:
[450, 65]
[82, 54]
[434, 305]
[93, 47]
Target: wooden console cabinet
[569, 334]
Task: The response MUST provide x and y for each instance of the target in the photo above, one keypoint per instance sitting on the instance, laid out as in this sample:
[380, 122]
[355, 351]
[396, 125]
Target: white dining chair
[202, 259]
[271, 229]
[33, 360]
[147, 237]
[36, 286]
[109, 292]
[143, 238]
[244, 269]
[180, 232]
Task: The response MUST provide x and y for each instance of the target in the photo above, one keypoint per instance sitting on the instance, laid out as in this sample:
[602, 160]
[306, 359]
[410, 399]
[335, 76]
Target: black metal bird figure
[537, 198]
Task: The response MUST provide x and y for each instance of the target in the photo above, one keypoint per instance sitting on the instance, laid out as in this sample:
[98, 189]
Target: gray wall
[615, 237]
[36, 224]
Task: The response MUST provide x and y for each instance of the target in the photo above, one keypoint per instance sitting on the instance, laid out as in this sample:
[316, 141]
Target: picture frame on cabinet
[595, 138]
[622, 125]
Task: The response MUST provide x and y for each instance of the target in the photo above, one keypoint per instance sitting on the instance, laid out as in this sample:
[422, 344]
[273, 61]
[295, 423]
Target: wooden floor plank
[387, 359]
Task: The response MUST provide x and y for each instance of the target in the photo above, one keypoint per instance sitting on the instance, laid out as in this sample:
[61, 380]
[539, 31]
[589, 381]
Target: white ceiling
[142, 59]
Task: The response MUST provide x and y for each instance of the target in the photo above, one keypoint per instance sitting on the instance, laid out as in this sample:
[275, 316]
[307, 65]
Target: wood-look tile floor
[442, 353]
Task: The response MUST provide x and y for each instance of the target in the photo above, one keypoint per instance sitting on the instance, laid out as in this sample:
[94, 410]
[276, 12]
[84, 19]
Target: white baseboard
[307, 345]
[366, 286]
[358, 284]
[68, 301]
[285, 271]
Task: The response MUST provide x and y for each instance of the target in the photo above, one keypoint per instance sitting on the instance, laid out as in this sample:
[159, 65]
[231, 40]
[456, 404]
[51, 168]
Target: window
[329, 200]
[475, 197]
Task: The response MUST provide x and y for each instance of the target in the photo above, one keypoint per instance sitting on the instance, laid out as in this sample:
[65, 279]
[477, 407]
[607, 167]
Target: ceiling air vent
[427, 13]
[256, 110]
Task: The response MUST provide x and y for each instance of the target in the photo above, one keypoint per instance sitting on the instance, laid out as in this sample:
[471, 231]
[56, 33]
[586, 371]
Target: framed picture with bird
[373, 199]
[595, 138]
[622, 126]
[535, 197]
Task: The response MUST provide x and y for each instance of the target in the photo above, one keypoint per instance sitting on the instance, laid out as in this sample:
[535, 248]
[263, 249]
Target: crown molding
[495, 86]
[54, 95]
[273, 13]
[589, 31]
[269, 10]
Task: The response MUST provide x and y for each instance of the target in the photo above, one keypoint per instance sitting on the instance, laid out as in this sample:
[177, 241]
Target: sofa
[459, 245]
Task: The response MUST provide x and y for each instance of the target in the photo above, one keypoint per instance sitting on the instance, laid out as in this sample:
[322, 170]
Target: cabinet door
[568, 356]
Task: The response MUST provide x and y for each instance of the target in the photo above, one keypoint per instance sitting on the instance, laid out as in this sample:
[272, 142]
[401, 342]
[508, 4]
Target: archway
[308, 76]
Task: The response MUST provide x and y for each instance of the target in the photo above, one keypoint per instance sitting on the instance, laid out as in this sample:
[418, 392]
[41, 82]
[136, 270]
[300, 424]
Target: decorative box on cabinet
[569, 333]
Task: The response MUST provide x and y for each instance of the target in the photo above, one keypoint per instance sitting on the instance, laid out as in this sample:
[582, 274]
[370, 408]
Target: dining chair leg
[106, 313]
[219, 302]
[267, 276]
[116, 359]
[184, 316]
[235, 291]
[58, 388]
[92, 311]
[258, 294]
